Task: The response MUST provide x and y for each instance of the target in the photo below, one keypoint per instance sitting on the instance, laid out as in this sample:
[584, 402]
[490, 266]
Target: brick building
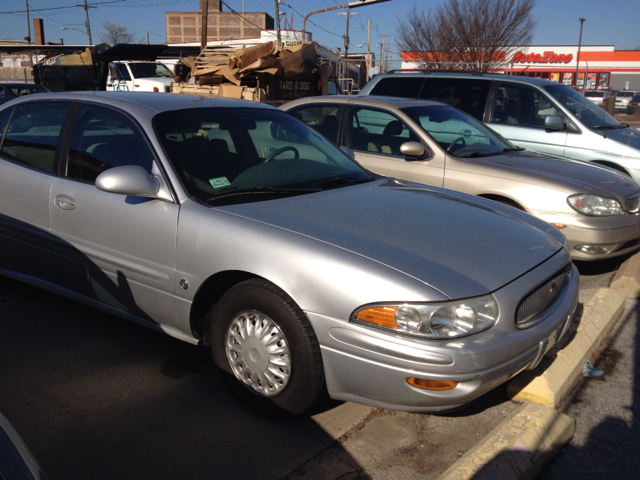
[185, 27]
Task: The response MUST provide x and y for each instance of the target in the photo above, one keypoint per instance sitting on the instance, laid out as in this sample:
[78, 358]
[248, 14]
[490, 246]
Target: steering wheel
[281, 150]
[459, 139]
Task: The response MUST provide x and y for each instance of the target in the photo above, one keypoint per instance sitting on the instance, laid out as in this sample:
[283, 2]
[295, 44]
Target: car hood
[576, 175]
[460, 245]
[627, 136]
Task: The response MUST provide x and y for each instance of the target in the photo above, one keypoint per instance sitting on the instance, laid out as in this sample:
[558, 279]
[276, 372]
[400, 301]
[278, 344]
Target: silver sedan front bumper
[371, 366]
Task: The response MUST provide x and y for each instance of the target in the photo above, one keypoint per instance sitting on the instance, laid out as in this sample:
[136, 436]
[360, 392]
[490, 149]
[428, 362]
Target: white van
[532, 113]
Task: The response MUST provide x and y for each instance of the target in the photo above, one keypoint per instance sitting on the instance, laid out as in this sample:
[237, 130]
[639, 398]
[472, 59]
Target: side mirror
[348, 152]
[554, 122]
[128, 180]
[413, 149]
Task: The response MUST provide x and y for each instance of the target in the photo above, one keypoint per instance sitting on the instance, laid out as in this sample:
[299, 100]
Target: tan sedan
[428, 142]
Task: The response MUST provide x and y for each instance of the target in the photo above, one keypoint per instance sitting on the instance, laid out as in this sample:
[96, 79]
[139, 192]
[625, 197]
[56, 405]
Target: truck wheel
[266, 349]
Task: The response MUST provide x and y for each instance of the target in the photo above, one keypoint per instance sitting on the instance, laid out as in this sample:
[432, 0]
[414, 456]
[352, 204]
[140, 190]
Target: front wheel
[266, 348]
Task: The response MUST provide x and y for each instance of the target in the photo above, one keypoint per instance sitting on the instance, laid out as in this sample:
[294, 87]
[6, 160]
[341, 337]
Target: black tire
[300, 384]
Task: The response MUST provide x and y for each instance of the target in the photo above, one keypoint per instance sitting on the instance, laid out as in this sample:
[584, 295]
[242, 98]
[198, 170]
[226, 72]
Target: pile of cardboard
[217, 65]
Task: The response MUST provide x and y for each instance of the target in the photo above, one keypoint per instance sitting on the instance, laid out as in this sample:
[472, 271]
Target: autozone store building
[601, 66]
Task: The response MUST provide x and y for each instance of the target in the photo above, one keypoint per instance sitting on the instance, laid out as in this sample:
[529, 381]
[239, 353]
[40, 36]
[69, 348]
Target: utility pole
[382, 45]
[86, 12]
[278, 38]
[368, 27]
[204, 25]
[348, 13]
[147, 37]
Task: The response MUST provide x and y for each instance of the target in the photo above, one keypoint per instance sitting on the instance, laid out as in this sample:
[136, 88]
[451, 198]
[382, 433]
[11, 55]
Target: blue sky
[614, 22]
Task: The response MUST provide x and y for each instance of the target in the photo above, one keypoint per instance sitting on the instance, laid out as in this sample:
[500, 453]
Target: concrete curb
[551, 380]
[518, 448]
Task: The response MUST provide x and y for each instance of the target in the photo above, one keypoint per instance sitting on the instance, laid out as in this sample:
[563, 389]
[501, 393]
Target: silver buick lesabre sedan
[596, 207]
[231, 224]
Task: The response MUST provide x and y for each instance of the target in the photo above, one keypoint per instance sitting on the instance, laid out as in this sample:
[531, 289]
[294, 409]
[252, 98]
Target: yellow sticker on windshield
[219, 182]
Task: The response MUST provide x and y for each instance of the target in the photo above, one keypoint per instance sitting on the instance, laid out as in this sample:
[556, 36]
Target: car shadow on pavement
[98, 397]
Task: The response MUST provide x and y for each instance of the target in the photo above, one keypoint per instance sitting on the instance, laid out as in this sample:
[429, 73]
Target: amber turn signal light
[432, 384]
[383, 316]
[559, 226]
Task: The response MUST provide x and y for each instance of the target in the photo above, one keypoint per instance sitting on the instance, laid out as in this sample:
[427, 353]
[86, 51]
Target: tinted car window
[378, 131]
[103, 139]
[521, 105]
[32, 135]
[467, 94]
[324, 119]
[407, 87]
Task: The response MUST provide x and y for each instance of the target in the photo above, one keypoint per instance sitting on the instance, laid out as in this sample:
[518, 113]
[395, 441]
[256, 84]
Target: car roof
[474, 75]
[397, 102]
[153, 102]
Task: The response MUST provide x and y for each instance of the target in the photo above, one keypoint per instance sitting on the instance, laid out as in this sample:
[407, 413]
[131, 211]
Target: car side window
[122, 72]
[521, 105]
[103, 139]
[4, 120]
[377, 131]
[324, 119]
[407, 87]
[33, 132]
[467, 94]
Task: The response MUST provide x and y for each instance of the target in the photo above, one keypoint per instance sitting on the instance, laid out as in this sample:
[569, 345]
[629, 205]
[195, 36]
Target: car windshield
[624, 94]
[150, 70]
[593, 93]
[249, 154]
[589, 113]
[458, 133]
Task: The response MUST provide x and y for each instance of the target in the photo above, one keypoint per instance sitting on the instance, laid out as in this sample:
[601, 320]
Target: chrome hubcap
[258, 353]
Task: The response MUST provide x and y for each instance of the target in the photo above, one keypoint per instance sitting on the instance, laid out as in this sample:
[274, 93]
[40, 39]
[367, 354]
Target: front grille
[537, 302]
[633, 204]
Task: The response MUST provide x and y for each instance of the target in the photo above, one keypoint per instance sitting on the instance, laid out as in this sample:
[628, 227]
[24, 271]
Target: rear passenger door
[118, 249]
[28, 163]
[518, 113]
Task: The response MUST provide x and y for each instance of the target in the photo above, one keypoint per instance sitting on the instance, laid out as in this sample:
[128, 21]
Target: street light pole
[584, 84]
[358, 3]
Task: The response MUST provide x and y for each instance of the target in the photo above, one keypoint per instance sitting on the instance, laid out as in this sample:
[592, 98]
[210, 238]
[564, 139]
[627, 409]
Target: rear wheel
[266, 349]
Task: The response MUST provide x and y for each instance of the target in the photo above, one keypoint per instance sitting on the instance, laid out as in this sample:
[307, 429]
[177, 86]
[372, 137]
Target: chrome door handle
[65, 202]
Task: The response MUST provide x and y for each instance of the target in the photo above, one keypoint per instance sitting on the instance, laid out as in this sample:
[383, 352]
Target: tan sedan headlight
[433, 320]
[594, 205]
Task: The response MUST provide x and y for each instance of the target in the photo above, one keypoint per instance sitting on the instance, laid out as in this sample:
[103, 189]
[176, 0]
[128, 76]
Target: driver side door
[375, 136]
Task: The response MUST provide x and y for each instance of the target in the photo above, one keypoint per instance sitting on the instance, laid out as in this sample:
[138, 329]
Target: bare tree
[114, 34]
[471, 34]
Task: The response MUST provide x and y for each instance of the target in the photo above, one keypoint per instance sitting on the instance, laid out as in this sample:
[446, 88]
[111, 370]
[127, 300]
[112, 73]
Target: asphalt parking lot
[98, 397]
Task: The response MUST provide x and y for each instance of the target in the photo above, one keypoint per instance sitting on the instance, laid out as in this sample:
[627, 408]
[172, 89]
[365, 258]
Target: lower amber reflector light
[432, 384]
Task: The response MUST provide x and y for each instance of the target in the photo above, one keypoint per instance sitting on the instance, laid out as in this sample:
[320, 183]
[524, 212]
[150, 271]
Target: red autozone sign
[544, 57]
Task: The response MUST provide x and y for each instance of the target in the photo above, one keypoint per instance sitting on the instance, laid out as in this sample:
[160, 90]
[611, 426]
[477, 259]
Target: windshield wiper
[338, 181]
[260, 190]
[479, 154]
[605, 127]
[514, 149]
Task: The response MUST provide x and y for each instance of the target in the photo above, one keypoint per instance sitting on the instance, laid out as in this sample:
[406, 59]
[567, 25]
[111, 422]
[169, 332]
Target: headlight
[594, 205]
[433, 320]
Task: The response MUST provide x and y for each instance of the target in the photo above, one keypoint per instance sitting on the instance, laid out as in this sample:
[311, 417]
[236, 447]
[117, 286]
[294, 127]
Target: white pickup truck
[139, 76]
